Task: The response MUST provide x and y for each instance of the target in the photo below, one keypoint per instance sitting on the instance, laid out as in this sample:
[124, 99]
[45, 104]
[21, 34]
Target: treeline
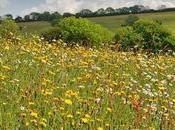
[48, 16]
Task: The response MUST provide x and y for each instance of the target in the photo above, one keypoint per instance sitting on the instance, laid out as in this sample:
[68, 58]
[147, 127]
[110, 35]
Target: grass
[34, 27]
[114, 22]
[55, 87]
[111, 22]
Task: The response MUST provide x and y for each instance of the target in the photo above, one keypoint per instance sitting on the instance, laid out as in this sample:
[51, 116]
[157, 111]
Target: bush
[8, 29]
[55, 22]
[82, 31]
[154, 35]
[146, 35]
[51, 34]
[130, 20]
[128, 38]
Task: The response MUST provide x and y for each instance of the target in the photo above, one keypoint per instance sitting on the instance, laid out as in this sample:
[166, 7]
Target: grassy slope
[114, 22]
[34, 27]
[111, 22]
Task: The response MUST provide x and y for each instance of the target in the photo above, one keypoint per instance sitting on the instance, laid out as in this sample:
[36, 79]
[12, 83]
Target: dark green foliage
[55, 22]
[128, 38]
[51, 34]
[82, 31]
[130, 20]
[8, 29]
[146, 35]
[155, 36]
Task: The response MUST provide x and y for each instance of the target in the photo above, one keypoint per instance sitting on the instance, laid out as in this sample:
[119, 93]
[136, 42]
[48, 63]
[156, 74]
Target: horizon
[21, 7]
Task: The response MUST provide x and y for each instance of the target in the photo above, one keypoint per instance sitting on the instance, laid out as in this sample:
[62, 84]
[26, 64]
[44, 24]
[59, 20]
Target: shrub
[78, 30]
[128, 38]
[55, 22]
[8, 29]
[155, 36]
[51, 34]
[146, 35]
[130, 20]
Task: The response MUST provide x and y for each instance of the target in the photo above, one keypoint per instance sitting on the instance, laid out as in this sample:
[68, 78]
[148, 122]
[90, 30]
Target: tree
[137, 8]
[34, 16]
[19, 19]
[45, 16]
[100, 12]
[65, 15]
[27, 18]
[9, 16]
[84, 13]
[124, 10]
[109, 10]
[55, 15]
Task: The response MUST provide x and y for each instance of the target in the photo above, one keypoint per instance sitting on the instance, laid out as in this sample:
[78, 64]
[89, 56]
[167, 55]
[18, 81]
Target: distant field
[111, 22]
[114, 22]
[34, 27]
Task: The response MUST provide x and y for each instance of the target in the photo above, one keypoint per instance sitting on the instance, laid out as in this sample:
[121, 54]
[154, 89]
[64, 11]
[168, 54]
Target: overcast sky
[22, 7]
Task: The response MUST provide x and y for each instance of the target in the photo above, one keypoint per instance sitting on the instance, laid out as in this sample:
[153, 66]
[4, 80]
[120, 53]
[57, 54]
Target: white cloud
[76, 5]
[3, 3]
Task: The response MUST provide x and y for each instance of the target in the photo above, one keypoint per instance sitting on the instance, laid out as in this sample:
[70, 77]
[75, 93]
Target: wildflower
[42, 123]
[78, 113]
[50, 113]
[109, 109]
[22, 108]
[162, 88]
[85, 120]
[98, 100]
[34, 114]
[69, 116]
[68, 101]
[31, 103]
[6, 68]
[27, 123]
[70, 93]
[100, 128]
[81, 86]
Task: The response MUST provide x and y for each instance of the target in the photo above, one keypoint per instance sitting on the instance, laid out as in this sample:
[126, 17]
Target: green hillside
[111, 22]
[114, 22]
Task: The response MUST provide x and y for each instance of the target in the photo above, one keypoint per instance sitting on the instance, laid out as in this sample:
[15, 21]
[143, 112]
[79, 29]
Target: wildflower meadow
[53, 87]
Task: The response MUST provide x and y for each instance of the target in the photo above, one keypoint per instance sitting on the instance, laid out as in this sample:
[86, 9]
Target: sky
[22, 7]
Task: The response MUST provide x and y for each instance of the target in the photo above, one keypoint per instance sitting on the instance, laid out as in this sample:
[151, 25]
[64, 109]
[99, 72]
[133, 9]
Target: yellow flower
[100, 128]
[42, 123]
[162, 88]
[6, 67]
[87, 116]
[71, 93]
[27, 123]
[68, 101]
[31, 103]
[85, 120]
[69, 116]
[34, 114]
[109, 109]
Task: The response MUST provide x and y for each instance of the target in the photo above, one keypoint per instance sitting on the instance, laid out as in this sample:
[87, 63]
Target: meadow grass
[34, 27]
[53, 87]
[113, 23]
